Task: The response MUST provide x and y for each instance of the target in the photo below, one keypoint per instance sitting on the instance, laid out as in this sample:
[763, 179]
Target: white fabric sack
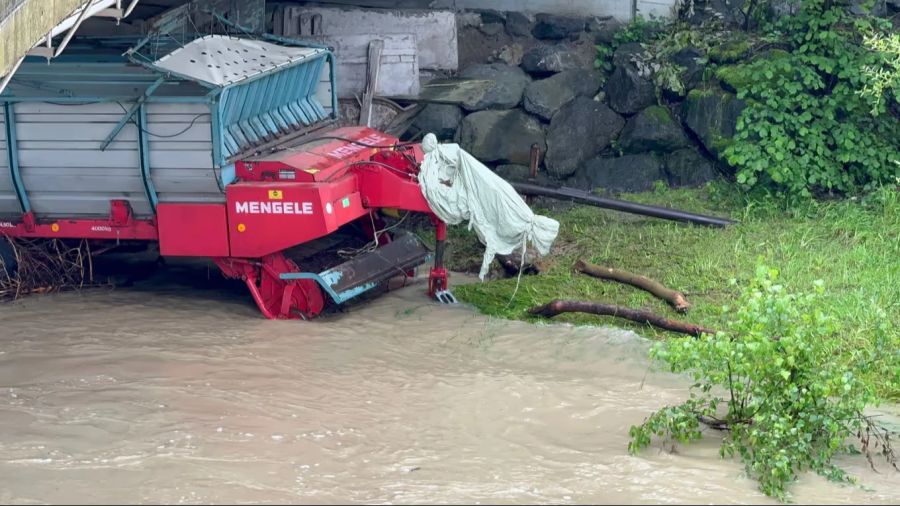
[460, 188]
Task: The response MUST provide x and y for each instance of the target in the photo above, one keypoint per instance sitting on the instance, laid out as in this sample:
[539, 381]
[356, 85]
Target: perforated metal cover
[221, 60]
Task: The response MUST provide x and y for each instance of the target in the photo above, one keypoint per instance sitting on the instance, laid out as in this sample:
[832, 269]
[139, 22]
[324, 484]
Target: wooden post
[376, 47]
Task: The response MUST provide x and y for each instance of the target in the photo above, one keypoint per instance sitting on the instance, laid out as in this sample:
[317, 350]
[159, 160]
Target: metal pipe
[535, 156]
[624, 206]
[71, 33]
[439, 244]
[533, 167]
[130, 8]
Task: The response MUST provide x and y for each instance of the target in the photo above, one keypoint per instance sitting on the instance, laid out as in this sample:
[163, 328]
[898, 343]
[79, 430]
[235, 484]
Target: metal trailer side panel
[64, 172]
[181, 163]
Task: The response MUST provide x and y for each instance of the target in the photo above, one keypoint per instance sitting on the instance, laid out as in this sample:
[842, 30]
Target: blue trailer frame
[243, 115]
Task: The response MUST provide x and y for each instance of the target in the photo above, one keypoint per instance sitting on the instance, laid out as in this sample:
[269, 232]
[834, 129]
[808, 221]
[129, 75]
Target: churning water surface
[166, 392]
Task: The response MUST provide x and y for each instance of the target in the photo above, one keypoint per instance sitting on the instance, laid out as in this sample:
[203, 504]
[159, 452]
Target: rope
[521, 264]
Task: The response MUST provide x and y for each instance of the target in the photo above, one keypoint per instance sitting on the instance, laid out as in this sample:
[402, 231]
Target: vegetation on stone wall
[808, 128]
[818, 90]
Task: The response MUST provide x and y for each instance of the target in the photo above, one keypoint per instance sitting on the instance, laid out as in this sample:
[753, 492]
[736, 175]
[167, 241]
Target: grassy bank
[851, 245]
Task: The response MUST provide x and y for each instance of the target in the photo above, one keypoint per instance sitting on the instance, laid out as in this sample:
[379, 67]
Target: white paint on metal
[221, 60]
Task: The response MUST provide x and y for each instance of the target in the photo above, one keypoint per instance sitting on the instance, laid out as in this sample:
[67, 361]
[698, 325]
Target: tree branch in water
[556, 307]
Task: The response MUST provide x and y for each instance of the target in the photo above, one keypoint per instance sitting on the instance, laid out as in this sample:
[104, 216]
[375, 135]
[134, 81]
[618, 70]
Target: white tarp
[459, 188]
[221, 60]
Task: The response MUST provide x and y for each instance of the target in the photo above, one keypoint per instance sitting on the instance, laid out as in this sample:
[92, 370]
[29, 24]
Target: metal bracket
[137, 105]
[144, 147]
[445, 297]
[118, 12]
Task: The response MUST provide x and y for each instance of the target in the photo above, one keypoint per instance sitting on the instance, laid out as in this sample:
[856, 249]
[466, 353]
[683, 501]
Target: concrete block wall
[622, 10]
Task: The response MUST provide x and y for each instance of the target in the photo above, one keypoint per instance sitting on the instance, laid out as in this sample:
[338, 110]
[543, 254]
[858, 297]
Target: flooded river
[165, 393]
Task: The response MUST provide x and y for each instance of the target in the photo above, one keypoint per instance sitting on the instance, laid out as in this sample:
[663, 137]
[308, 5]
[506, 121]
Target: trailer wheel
[7, 259]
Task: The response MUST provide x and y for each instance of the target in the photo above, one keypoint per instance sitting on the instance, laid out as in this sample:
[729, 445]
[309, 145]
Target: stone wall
[596, 130]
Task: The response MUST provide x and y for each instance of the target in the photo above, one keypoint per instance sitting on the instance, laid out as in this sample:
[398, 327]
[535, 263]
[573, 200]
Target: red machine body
[277, 202]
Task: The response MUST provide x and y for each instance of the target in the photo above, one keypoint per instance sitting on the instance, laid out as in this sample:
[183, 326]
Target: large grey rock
[440, 119]
[520, 174]
[782, 8]
[491, 29]
[712, 116]
[863, 8]
[628, 92]
[506, 92]
[510, 54]
[604, 30]
[501, 136]
[687, 167]
[579, 131]
[630, 173]
[546, 59]
[652, 130]
[519, 24]
[689, 58]
[490, 16]
[626, 53]
[547, 96]
[551, 26]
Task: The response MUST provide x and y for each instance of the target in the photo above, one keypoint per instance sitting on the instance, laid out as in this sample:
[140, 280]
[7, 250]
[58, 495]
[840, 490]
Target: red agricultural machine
[223, 148]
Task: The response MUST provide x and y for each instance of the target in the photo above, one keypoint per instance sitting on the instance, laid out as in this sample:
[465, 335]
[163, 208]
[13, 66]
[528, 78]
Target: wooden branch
[557, 306]
[511, 263]
[675, 298]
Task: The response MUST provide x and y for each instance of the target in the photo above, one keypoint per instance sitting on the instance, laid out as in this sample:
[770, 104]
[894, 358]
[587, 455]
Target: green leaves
[810, 108]
[791, 403]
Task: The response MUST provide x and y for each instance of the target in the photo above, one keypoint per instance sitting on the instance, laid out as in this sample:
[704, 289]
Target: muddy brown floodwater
[169, 394]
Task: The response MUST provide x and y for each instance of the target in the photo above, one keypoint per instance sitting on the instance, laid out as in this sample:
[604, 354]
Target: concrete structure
[434, 31]
[623, 10]
[25, 23]
[414, 40]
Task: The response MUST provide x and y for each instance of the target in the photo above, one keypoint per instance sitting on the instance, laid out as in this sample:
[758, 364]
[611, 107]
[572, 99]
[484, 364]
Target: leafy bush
[640, 29]
[603, 60]
[775, 384]
[808, 127]
[884, 79]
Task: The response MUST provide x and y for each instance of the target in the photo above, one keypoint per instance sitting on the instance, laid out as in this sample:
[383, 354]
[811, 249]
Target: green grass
[852, 245]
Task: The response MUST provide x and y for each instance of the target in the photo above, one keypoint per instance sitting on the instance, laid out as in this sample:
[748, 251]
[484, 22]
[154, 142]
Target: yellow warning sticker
[275, 195]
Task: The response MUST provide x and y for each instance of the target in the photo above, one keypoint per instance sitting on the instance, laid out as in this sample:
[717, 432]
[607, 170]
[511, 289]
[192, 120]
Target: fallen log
[556, 307]
[511, 263]
[675, 298]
